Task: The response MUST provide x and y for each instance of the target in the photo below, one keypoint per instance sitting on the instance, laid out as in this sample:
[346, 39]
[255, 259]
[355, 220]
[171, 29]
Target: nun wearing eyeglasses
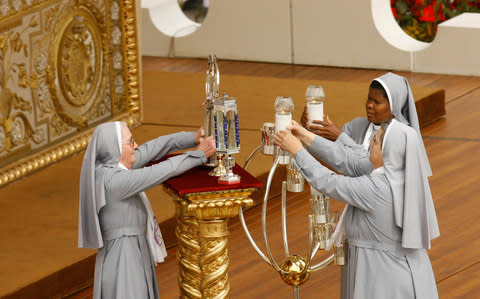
[115, 215]
[385, 260]
[406, 167]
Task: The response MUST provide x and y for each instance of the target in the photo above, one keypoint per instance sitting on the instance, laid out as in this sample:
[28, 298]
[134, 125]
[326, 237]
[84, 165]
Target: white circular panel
[389, 29]
[167, 16]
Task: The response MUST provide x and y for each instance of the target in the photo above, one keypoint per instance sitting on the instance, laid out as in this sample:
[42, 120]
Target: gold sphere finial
[293, 270]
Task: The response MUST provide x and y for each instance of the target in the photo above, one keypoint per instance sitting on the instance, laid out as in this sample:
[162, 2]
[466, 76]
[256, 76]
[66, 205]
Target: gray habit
[378, 266]
[124, 266]
[407, 170]
[411, 207]
[406, 162]
[346, 155]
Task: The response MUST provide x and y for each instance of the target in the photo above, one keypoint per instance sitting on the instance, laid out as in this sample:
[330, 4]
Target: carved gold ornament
[78, 70]
[202, 234]
[65, 67]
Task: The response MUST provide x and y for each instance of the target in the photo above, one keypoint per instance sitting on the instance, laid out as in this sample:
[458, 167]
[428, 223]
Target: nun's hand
[199, 135]
[207, 145]
[305, 136]
[327, 129]
[288, 142]
[304, 120]
[297, 130]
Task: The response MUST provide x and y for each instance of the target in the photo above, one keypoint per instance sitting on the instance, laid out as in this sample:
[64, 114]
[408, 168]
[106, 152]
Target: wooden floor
[453, 146]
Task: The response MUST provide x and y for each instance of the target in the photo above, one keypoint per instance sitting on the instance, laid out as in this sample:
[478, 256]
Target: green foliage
[420, 18]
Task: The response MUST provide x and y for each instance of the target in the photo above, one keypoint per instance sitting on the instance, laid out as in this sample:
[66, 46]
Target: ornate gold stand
[202, 234]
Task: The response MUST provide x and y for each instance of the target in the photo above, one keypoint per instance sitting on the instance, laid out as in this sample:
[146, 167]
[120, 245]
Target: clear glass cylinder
[320, 206]
[283, 112]
[268, 132]
[315, 97]
[227, 131]
[341, 254]
[219, 130]
[295, 180]
[282, 120]
[283, 117]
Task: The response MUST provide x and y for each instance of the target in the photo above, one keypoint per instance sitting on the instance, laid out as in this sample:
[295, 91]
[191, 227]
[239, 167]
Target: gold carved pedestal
[202, 234]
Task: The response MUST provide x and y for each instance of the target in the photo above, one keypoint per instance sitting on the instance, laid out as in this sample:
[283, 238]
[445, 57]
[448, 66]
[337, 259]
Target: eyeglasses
[131, 142]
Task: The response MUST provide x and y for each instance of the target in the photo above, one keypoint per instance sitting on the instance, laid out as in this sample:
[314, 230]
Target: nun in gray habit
[345, 155]
[388, 234]
[385, 260]
[115, 215]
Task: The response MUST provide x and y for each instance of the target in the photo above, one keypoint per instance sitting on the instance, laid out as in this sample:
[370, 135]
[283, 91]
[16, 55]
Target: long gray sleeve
[362, 192]
[356, 129]
[347, 128]
[159, 147]
[125, 183]
[344, 155]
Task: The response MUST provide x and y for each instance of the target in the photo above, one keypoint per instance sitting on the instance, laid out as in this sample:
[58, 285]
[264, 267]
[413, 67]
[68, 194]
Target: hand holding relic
[199, 135]
[207, 145]
[304, 119]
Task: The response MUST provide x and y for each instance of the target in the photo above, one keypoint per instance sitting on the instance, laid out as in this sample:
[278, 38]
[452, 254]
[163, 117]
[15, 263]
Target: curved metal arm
[245, 166]
[252, 242]
[323, 263]
[264, 214]
[242, 218]
[311, 243]
[284, 218]
[315, 250]
[268, 258]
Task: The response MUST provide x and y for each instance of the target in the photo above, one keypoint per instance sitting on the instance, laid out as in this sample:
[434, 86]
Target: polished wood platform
[453, 146]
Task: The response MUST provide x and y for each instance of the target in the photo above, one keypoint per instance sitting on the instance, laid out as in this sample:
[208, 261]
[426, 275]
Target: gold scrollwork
[238, 193]
[43, 159]
[202, 234]
[79, 61]
[214, 264]
[16, 129]
[213, 229]
[81, 56]
[132, 61]
[78, 65]
[215, 209]
[188, 254]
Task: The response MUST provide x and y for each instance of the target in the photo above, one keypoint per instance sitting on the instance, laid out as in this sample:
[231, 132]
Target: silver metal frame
[313, 245]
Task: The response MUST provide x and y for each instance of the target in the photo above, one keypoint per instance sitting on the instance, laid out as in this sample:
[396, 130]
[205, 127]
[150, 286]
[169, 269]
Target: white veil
[407, 170]
[103, 149]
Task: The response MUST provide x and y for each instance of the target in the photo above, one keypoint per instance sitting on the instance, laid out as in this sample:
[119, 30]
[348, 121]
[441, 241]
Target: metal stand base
[229, 179]
[219, 171]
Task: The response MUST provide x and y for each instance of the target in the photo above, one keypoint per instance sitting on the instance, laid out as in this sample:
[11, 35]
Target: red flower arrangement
[420, 18]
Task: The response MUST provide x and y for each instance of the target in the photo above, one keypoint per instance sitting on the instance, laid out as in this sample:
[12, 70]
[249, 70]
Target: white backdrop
[360, 33]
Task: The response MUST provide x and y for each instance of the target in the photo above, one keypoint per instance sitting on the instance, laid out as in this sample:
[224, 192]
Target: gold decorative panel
[65, 66]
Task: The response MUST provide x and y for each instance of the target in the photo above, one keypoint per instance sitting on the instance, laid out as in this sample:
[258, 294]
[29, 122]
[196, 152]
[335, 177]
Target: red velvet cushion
[197, 180]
